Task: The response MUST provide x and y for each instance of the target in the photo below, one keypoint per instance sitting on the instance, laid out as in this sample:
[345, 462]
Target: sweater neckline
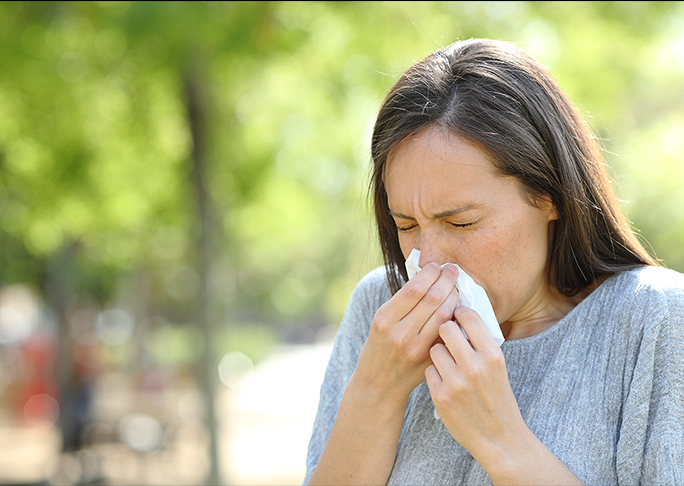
[564, 321]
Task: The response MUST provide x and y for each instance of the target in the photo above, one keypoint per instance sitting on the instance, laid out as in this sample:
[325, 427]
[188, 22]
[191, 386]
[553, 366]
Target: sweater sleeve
[664, 448]
[368, 295]
[651, 444]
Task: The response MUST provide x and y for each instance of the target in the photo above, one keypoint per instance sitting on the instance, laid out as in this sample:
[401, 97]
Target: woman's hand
[469, 384]
[397, 352]
[363, 443]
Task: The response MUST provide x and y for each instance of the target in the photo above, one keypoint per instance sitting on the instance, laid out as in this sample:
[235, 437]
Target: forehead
[435, 158]
[437, 144]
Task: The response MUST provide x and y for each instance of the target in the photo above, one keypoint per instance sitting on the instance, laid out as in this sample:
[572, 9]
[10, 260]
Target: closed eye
[407, 228]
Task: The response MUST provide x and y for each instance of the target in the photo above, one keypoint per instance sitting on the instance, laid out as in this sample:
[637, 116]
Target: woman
[481, 161]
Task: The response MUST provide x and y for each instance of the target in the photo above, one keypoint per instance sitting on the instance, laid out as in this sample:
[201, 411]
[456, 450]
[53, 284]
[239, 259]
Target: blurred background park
[184, 211]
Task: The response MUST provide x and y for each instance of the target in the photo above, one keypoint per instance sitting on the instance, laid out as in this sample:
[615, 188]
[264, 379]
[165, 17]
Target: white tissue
[470, 294]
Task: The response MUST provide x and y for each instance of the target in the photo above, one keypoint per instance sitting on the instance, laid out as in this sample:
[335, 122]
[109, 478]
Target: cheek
[509, 262]
[407, 242]
[485, 250]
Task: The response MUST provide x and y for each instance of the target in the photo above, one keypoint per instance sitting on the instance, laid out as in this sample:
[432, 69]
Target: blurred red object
[39, 383]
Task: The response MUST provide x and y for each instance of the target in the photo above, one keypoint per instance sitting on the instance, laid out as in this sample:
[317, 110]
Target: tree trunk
[209, 374]
[58, 291]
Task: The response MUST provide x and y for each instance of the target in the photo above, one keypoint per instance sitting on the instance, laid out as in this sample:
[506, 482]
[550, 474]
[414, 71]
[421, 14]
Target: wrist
[523, 459]
[503, 459]
[366, 395]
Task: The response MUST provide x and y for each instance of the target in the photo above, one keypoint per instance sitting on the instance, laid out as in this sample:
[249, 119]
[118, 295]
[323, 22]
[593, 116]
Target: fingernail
[452, 268]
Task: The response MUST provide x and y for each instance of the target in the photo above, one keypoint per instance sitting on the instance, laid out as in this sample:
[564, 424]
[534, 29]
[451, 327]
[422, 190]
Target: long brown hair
[499, 98]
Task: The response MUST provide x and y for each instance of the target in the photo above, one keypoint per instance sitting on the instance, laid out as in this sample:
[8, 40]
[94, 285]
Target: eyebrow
[444, 214]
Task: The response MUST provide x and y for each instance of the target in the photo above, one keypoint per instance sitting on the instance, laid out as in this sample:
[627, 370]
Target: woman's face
[447, 201]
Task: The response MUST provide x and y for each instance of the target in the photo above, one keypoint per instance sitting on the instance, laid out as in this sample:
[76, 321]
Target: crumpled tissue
[470, 294]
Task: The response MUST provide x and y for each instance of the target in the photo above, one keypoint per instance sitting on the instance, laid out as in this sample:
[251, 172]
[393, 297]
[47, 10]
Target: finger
[444, 313]
[455, 340]
[443, 360]
[434, 379]
[474, 327]
[406, 299]
[434, 298]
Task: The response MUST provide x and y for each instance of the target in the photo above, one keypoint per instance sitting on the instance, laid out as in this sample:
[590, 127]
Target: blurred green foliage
[95, 140]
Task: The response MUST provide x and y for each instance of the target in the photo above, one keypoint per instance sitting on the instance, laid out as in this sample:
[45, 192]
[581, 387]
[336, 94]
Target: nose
[430, 252]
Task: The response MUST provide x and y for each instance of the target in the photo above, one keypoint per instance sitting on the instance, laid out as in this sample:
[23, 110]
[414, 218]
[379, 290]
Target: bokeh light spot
[235, 369]
[41, 411]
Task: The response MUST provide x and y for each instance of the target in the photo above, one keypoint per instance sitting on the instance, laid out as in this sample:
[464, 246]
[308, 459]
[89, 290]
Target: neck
[544, 309]
[535, 321]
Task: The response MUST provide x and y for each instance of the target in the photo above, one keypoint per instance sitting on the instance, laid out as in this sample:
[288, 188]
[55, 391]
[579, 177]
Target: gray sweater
[603, 388]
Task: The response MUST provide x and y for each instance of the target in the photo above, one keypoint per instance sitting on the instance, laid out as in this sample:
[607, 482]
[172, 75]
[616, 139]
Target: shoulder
[650, 286]
[371, 292]
[657, 278]
[646, 301]
[632, 302]
[368, 295]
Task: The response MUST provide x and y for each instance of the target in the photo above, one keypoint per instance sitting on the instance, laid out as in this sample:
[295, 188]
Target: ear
[546, 204]
[553, 212]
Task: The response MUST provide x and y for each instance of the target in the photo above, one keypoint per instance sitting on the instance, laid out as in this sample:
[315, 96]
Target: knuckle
[381, 319]
[476, 372]
[414, 354]
[453, 388]
[444, 313]
[446, 329]
[466, 313]
[397, 340]
[434, 296]
[494, 359]
[381, 314]
[415, 290]
[454, 293]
